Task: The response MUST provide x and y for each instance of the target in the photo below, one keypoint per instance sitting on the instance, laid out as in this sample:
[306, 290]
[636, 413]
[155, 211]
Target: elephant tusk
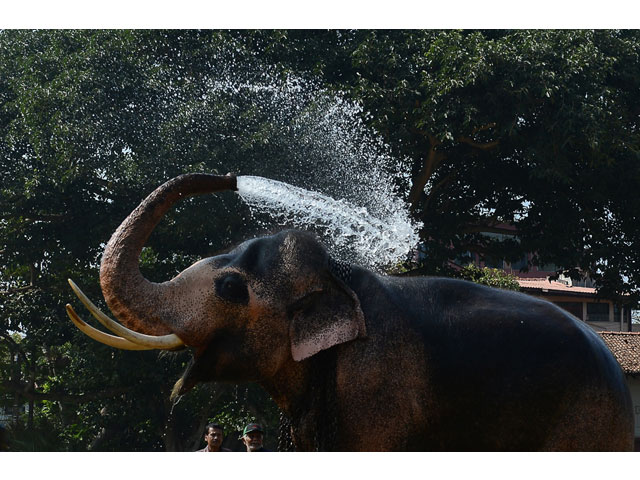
[163, 342]
[97, 335]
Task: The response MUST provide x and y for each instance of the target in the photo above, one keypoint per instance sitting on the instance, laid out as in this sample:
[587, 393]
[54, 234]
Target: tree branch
[489, 228]
[479, 145]
[474, 144]
[482, 128]
[431, 163]
[445, 181]
[435, 158]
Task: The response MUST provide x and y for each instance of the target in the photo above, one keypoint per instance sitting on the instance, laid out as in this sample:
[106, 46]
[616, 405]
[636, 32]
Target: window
[621, 313]
[464, 258]
[597, 312]
[548, 267]
[519, 264]
[493, 263]
[574, 308]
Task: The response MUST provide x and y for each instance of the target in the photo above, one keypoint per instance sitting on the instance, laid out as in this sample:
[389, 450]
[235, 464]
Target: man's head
[252, 436]
[213, 435]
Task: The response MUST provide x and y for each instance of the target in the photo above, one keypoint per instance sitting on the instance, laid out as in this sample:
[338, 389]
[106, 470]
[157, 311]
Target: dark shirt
[206, 449]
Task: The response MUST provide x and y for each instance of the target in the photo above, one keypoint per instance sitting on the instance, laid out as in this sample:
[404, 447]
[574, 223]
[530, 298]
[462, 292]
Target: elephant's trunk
[142, 305]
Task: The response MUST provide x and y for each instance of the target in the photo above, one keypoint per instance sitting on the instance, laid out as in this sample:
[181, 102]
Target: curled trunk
[142, 305]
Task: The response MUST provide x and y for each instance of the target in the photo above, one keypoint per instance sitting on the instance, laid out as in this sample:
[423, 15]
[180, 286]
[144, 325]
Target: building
[600, 313]
[577, 297]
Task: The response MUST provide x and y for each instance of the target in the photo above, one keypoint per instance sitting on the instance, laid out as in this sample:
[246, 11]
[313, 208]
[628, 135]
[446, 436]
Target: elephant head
[247, 313]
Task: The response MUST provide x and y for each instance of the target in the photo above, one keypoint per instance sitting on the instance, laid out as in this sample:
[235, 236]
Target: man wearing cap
[213, 435]
[252, 437]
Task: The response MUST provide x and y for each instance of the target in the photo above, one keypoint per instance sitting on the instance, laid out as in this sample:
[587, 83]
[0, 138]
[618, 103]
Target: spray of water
[351, 232]
[256, 122]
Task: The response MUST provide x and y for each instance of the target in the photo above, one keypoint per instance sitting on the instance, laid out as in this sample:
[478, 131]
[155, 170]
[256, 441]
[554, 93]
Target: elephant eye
[232, 287]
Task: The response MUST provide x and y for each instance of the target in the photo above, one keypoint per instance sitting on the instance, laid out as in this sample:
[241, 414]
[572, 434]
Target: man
[252, 437]
[213, 435]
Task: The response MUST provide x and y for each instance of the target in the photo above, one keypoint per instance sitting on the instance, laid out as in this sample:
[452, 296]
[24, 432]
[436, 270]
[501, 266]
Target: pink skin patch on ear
[338, 333]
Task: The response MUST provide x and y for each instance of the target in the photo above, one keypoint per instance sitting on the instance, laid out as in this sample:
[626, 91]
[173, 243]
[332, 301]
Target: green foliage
[492, 277]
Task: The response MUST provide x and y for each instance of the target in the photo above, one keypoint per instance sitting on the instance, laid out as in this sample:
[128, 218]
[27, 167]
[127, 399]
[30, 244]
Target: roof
[625, 346]
[553, 286]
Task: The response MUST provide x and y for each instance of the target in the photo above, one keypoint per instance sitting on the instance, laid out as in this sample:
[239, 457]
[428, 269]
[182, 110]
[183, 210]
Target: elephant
[361, 361]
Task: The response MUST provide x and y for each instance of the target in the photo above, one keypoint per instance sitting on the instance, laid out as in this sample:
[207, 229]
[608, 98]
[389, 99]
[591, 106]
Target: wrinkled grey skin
[431, 364]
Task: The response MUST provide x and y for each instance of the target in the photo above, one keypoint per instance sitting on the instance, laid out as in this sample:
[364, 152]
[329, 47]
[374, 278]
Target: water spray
[351, 232]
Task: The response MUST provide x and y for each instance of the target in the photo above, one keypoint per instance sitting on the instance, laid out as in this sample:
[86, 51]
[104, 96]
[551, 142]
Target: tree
[492, 277]
[538, 129]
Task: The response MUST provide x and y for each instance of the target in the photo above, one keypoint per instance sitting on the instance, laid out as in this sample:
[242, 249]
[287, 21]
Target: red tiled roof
[625, 346]
[545, 285]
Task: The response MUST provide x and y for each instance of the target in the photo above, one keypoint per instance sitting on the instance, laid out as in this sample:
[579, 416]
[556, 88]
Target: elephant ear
[324, 318]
